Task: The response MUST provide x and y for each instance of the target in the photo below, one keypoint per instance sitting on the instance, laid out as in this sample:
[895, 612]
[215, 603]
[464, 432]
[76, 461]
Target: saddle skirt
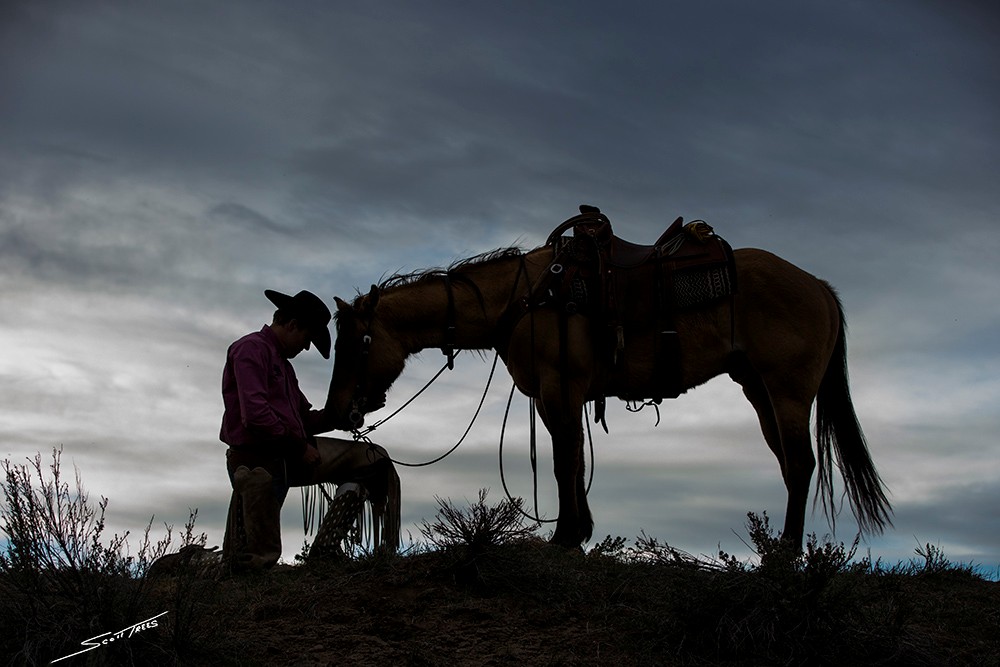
[635, 291]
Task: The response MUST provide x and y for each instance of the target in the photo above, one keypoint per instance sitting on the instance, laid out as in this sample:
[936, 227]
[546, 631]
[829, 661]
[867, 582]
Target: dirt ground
[398, 616]
[534, 604]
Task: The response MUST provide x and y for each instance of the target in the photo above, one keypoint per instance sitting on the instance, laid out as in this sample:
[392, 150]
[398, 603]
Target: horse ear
[373, 297]
[342, 305]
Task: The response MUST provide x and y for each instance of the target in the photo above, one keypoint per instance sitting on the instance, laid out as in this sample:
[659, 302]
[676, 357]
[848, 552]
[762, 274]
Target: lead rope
[363, 435]
[533, 449]
[358, 435]
[533, 453]
[503, 478]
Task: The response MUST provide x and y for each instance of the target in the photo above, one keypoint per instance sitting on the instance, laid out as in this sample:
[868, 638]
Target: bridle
[355, 416]
[358, 401]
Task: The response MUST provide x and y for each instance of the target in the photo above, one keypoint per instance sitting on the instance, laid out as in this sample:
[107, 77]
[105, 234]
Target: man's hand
[311, 455]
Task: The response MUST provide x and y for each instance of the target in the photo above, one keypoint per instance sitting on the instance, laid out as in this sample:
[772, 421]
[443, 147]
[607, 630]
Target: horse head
[368, 359]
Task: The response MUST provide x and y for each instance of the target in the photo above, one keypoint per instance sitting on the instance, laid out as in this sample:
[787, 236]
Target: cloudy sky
[161, 164]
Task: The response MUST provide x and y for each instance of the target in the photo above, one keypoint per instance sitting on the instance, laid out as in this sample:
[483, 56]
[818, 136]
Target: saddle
[633, 289]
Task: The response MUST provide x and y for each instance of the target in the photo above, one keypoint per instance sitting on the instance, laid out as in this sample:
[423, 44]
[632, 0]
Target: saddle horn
[588, 213]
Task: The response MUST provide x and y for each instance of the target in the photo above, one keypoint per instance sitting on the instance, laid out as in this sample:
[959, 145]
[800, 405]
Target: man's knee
[375, 453]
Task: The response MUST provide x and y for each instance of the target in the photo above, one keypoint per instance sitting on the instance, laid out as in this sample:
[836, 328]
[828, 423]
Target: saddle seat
[680, 251]
[625, 254]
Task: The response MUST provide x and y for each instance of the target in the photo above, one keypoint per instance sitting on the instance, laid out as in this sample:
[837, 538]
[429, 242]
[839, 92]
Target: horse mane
[455, 270]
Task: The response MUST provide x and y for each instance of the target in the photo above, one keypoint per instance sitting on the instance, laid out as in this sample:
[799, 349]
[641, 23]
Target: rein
[363, 435]
[533, 456]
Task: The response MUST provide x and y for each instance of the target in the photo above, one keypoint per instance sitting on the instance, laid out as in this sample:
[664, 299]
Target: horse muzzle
[356, 418]
[361, 407]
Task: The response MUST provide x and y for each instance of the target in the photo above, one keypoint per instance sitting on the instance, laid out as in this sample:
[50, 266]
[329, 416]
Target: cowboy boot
[261, 514]
[235, 540]
[340, 516]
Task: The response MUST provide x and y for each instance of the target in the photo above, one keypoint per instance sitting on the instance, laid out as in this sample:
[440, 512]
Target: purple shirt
[263, 403]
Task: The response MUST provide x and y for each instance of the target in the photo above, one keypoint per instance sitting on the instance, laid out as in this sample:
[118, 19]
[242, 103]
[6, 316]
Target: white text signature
[108, 637]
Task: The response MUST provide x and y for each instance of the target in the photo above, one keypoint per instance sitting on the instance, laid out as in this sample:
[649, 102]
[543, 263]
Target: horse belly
[654, 363]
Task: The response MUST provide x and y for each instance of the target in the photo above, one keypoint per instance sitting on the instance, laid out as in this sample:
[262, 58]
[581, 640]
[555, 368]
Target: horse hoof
[567, 543]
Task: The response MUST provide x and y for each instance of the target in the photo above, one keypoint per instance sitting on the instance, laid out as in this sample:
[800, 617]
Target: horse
[780, 336]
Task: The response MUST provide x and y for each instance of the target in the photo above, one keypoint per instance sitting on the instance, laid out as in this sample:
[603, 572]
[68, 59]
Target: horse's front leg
[562, 417]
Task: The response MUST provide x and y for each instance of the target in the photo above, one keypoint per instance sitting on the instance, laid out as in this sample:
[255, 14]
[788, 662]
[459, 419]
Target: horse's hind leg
[756, 393]
[792, 416]
[784, 421]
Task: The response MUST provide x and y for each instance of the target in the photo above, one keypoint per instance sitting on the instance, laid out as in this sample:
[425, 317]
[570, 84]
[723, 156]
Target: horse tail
[838, 431]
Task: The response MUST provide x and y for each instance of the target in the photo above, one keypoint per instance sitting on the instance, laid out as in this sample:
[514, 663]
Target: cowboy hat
[311, 313]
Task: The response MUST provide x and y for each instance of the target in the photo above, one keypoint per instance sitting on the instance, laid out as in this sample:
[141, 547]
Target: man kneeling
[270, 428]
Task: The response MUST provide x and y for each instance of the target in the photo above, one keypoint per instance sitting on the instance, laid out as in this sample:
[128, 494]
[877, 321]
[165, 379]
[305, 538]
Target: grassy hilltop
[483, 590]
